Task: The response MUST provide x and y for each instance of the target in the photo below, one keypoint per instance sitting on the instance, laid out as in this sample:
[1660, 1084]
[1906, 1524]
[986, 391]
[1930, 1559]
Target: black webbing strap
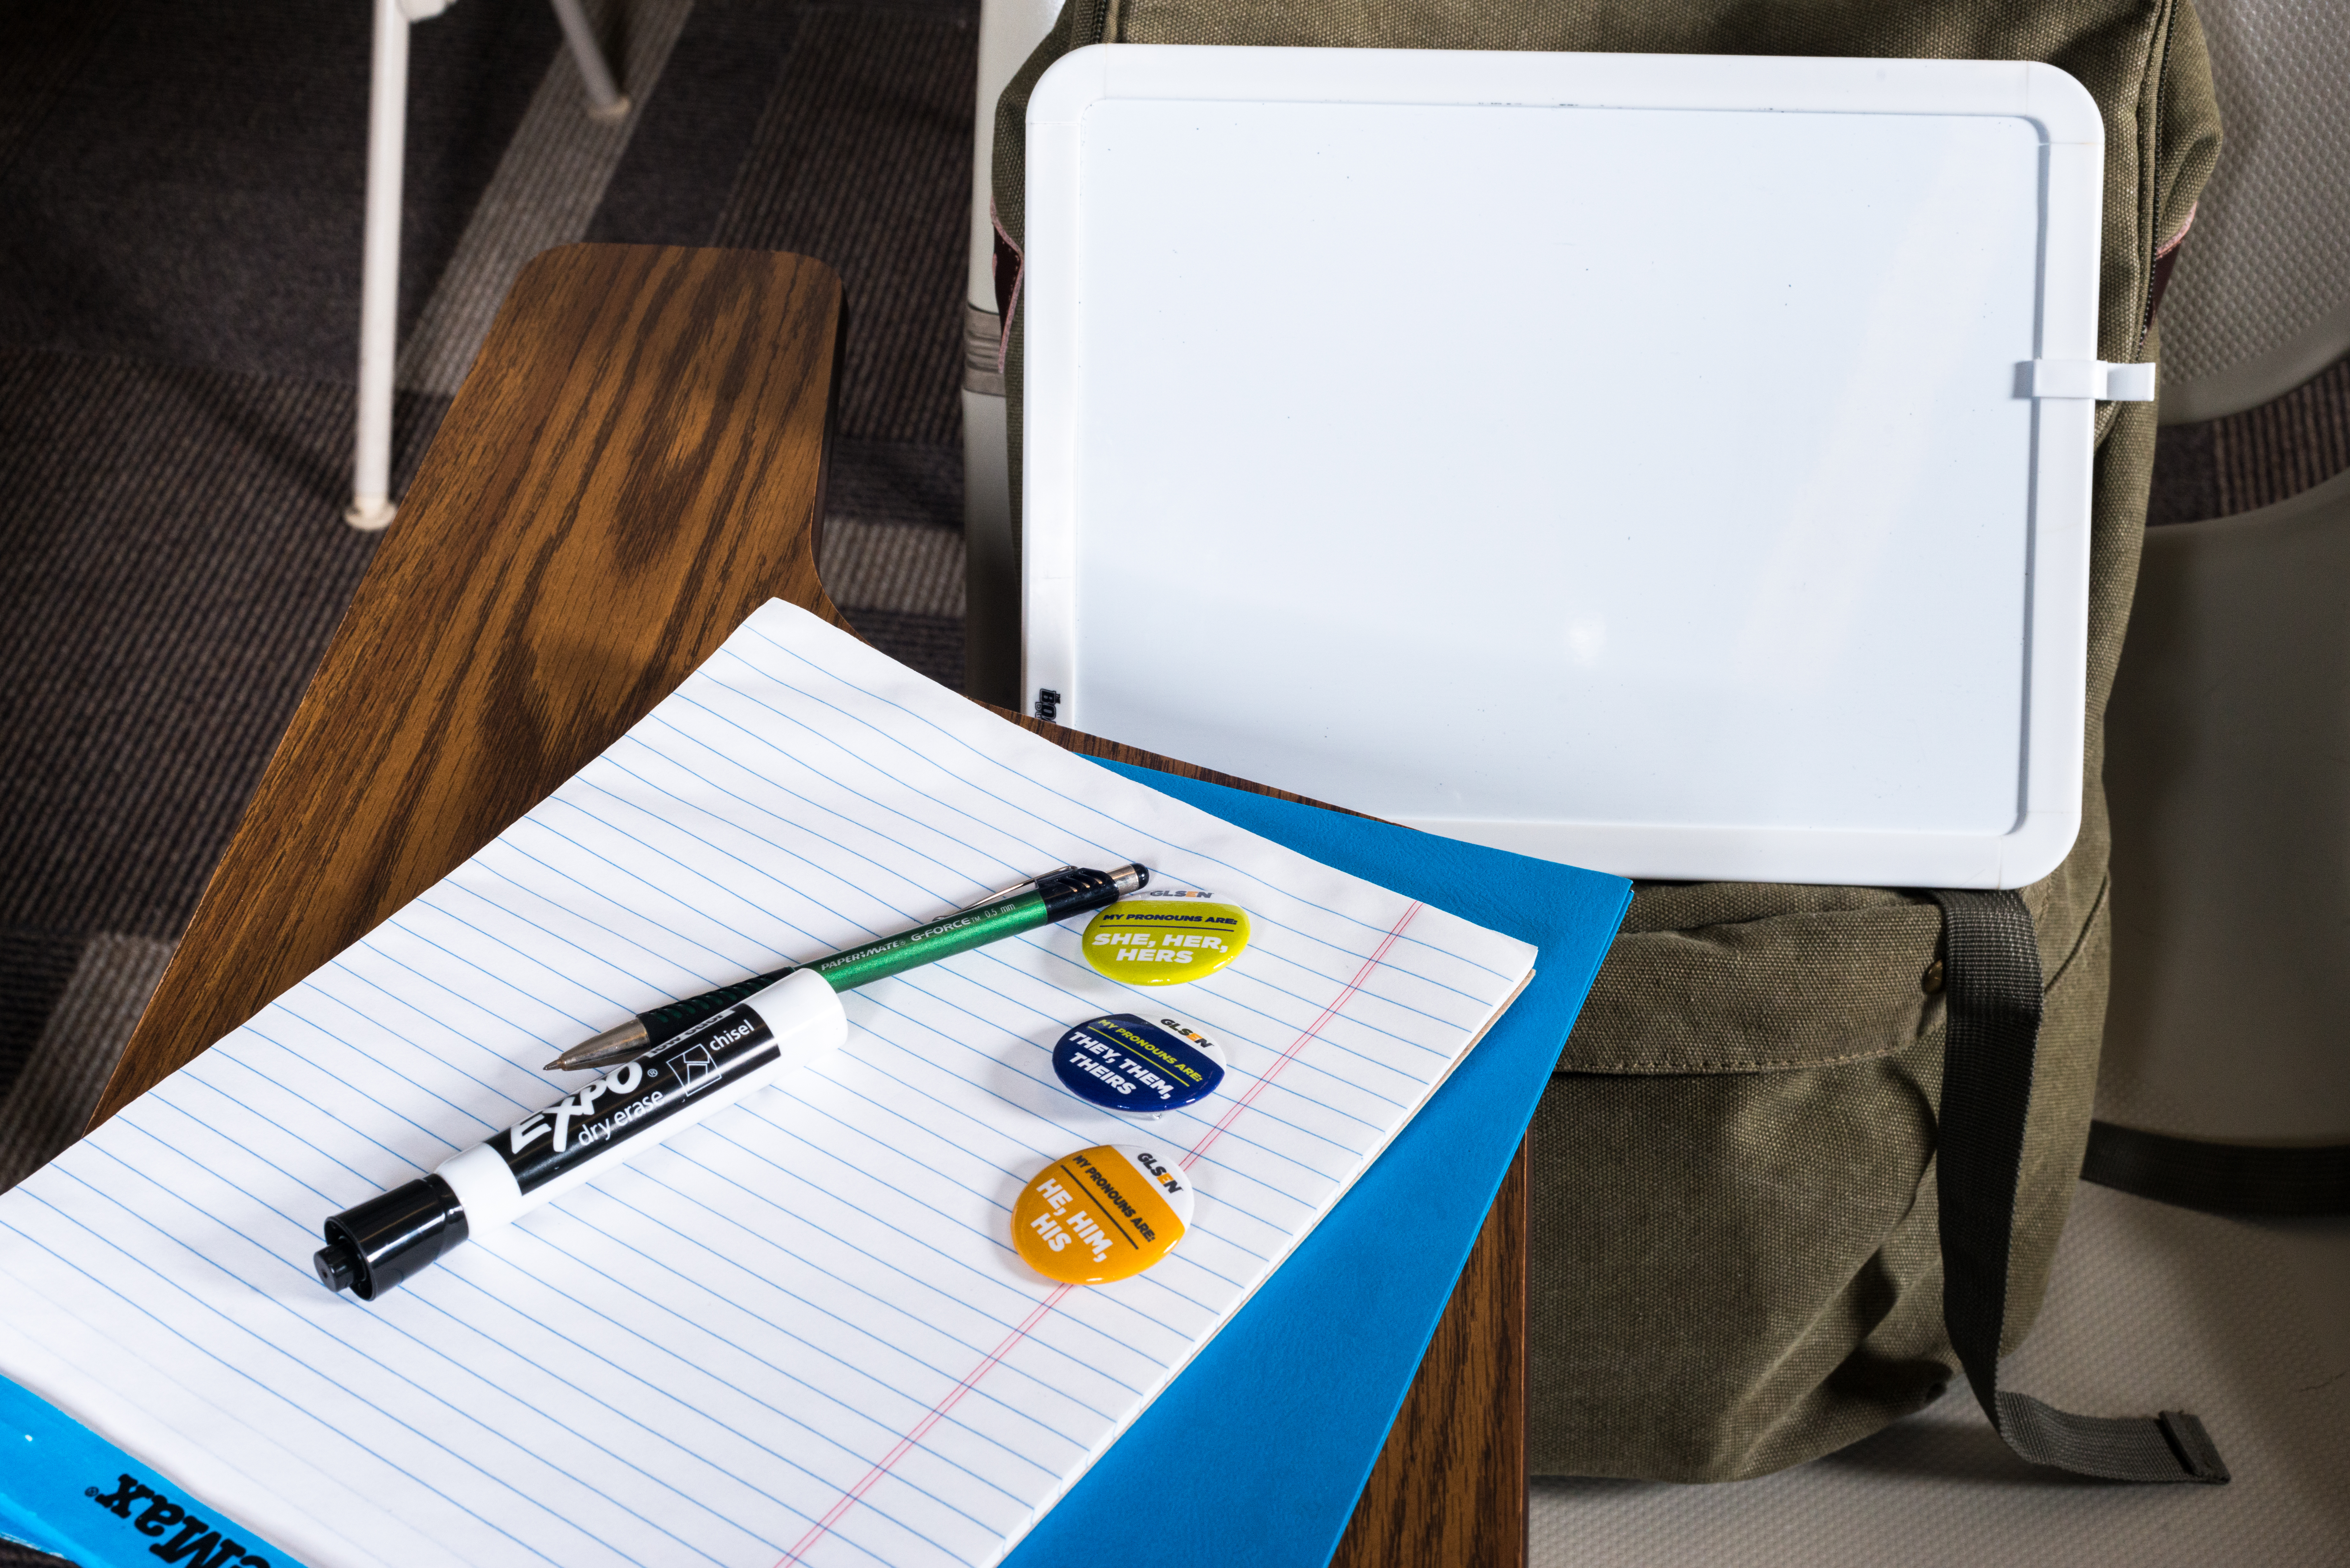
[2252, 1180]
[1992, 975]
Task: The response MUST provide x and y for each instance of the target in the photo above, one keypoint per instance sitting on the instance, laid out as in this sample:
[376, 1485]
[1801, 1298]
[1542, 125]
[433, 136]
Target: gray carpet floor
[178, 285]
[178, 278]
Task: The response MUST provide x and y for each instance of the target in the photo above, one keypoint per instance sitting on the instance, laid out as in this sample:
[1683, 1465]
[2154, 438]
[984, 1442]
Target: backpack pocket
[1735, 1260]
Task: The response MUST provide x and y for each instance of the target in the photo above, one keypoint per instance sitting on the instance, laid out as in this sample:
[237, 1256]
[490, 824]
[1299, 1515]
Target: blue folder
[1276, 1425]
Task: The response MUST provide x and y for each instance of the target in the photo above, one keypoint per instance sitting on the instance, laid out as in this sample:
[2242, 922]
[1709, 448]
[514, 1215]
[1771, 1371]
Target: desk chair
[2230, 721]
[2261, 299]
[2227, 766]
[371, 508]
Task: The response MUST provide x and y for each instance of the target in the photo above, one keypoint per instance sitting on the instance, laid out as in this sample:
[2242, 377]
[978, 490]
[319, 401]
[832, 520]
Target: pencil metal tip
[621, 1042]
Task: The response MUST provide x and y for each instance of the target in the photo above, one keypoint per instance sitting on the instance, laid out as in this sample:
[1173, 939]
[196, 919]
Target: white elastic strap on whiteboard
[2092, 378]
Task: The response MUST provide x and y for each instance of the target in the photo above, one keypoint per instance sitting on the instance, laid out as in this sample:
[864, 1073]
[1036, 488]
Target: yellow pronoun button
[1165, 941]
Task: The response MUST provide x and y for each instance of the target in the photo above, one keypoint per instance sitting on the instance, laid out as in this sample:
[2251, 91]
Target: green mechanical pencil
[1056, 895]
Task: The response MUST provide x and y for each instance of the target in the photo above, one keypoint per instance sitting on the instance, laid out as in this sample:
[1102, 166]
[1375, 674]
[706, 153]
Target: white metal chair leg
[1009, 31]
[370, 506]
[605, 100]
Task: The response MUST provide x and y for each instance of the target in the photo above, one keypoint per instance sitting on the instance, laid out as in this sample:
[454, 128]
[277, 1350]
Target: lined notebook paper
[798, 1333]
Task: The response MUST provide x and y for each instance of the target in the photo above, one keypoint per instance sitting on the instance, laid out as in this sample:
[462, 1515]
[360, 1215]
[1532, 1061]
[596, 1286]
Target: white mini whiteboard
[1628, 460]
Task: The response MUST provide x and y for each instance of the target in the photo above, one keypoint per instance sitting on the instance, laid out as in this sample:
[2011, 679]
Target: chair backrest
[2261, 301]
[2228, 768]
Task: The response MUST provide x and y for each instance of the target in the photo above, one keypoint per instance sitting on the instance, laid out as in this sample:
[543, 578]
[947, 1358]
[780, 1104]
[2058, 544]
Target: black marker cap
[373, 1246]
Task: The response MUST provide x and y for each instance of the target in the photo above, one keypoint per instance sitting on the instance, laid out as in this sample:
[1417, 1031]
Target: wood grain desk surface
[636, 463]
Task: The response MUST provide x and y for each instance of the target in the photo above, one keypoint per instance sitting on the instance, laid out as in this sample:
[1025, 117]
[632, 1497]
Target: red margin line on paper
[1043, 1309]
[847, 1501]
[1313, 1032]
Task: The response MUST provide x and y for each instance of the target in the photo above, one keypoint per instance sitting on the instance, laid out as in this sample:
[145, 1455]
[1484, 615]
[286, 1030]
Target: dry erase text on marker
[662, 1082]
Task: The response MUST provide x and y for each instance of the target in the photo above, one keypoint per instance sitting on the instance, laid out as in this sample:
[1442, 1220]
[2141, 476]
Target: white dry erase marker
[680, 1082]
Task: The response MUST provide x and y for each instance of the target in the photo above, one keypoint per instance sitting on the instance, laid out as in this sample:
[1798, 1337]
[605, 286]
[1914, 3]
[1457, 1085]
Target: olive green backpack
[1808, 1151]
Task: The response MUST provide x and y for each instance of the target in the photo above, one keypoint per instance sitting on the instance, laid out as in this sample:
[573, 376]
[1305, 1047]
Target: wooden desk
[635, 464]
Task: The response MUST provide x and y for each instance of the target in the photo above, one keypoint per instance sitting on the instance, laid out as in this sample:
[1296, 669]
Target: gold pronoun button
[1103, 1213]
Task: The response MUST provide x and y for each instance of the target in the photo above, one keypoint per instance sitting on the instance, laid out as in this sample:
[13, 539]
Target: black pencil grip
[675, 1018]
[1073, 891]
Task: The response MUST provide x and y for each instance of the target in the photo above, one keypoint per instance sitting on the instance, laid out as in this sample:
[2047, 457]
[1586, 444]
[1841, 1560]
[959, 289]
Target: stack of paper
[797, 1332]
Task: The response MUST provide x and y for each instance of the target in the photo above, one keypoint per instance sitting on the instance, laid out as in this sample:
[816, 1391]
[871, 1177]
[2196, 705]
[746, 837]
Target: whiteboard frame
[2053, 707]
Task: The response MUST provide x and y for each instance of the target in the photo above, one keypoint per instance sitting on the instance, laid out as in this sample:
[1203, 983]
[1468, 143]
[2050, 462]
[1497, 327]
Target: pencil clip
[1014, 890]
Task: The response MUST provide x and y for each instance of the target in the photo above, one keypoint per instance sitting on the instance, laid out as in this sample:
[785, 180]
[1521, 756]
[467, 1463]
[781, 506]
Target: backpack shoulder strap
[1991, 971]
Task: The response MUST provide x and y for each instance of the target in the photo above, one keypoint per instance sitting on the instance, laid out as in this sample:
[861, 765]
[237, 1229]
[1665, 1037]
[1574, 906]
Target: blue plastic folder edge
[55, 1469]
[1258, 1452]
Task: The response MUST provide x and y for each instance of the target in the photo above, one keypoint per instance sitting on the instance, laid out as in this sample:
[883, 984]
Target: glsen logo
[1166, 1177]
[198, 1545]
